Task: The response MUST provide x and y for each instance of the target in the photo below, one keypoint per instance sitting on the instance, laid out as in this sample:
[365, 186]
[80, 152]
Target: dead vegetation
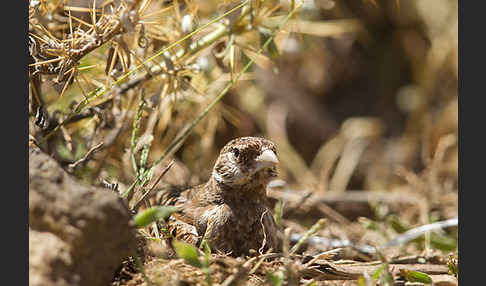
[359, 96]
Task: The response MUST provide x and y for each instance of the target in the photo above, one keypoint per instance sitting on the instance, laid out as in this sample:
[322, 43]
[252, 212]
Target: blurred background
[357, 95]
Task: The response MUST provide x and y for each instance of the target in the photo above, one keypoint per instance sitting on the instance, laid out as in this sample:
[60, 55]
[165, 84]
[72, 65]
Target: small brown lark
[231, 210]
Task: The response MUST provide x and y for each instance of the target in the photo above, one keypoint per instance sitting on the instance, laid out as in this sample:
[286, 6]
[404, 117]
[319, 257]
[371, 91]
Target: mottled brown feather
[231, 210]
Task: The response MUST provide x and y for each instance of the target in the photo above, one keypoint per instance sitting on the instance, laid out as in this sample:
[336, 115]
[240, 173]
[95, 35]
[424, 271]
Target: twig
[110, 27]
[102, 90]
[86, 157]
[137, 205]
[326, 254]
[370, 250]
[243, 272]
[226, 89]
[315, 228]
[194, 48]
[418, 231]
[334, 243]
[264, 242]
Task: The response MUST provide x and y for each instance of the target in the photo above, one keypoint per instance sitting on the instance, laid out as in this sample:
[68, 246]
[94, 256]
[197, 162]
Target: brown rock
[50, 260]
[93, 224]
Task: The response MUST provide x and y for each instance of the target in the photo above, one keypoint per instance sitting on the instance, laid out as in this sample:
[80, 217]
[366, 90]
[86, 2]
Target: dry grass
[360, 98]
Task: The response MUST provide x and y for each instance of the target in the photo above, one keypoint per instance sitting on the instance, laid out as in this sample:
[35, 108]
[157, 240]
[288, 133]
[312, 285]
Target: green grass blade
[188, 253]
[153, 214]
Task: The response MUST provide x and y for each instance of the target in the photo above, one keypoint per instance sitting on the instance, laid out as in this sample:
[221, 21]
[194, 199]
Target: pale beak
[268, 158]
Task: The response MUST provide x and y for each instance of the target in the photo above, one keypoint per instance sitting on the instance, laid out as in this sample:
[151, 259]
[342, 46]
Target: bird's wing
[183, 231]
[181, 224]
[174, 196]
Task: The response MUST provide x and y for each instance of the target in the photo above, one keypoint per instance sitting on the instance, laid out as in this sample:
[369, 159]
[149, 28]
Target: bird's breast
[234, 226]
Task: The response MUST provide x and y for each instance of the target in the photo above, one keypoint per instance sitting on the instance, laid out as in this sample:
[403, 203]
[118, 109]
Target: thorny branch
[53, 56]
[68, 53]
[194, 48]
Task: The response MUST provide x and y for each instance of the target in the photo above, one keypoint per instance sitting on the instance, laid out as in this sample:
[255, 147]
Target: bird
[231, 211]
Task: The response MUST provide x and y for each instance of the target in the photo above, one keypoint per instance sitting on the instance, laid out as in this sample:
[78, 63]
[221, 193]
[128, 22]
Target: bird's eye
[236, 152]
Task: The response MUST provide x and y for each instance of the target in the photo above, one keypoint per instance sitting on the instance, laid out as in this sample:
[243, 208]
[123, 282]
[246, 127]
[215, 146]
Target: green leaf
[276, 279]
[153, 214]
[361, 281]
[378, 271]
[207, 258]
[207, 253]
[416, 276]
[187, 252]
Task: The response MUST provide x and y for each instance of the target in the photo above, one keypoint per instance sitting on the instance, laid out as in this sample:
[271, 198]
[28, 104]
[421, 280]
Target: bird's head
[246, 161]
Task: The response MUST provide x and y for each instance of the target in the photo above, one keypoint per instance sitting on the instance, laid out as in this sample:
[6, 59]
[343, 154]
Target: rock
[92, 227]
[50, 260]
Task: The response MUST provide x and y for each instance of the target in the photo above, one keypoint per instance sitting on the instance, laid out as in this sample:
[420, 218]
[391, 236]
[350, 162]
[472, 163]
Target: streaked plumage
[231, 210]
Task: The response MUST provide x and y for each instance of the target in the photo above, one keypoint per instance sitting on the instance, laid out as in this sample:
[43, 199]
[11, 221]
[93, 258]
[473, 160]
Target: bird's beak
[267, 158]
